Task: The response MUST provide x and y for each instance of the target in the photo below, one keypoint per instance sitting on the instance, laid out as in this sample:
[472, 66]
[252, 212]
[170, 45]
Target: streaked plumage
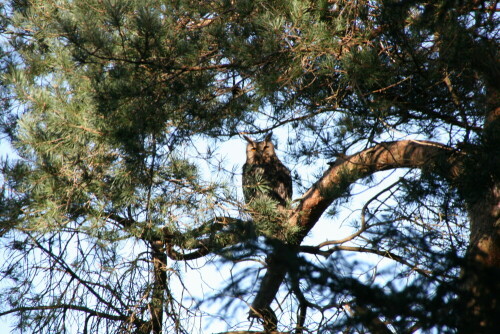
[265, 174]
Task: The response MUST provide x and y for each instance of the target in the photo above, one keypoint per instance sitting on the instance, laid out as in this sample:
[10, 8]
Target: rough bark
[481, 293]
[277, 264]
[159, 287]
[389, 155]
[481, 272]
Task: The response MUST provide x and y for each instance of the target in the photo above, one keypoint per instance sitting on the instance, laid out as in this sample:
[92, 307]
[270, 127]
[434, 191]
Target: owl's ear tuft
[248, 139]
[268, 136]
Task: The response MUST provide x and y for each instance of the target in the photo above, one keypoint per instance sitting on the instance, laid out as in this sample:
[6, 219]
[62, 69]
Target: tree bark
[345, 171]
[269, 286]
[159, 287]
[481, 272]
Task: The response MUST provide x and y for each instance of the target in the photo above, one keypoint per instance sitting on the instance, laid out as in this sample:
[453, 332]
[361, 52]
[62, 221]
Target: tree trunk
[159, 287]
[481, 274]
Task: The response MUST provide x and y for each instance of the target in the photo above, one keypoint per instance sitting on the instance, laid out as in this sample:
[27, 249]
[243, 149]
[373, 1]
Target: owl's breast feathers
[272, 179]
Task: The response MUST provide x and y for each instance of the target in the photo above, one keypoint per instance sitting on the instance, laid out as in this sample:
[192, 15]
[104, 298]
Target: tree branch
[384, 156]
[337, 179]
[236, 231]
[68, 307]
[74, 275]
[315, 250]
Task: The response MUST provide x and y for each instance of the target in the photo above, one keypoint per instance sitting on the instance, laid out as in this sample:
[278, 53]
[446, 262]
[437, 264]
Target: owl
[264, 174]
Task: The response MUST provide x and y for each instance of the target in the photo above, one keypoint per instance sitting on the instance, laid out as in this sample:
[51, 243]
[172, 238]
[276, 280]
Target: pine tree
[106, 104]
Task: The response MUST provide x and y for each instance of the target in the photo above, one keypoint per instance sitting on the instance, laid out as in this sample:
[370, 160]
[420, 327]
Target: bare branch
[364, 226]
[67, 307]
[387, 254]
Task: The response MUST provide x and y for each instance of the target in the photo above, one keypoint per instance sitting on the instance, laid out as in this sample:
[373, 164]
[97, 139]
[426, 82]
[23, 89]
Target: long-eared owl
[265, 174]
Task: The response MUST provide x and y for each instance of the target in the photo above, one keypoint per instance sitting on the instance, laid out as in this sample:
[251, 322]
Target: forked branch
[337, 179]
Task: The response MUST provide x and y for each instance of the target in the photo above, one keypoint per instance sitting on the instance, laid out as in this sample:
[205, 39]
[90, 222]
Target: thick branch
[213, 235]
[337, 179]
[178, 256]
[384, 156]
[157, 303]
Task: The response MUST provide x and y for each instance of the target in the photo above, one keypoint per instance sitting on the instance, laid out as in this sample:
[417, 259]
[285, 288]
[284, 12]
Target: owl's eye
[253, 148]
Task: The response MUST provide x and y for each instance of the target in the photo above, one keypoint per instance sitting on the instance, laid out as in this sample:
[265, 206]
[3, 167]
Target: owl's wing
[279, 181]
[272, 179]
